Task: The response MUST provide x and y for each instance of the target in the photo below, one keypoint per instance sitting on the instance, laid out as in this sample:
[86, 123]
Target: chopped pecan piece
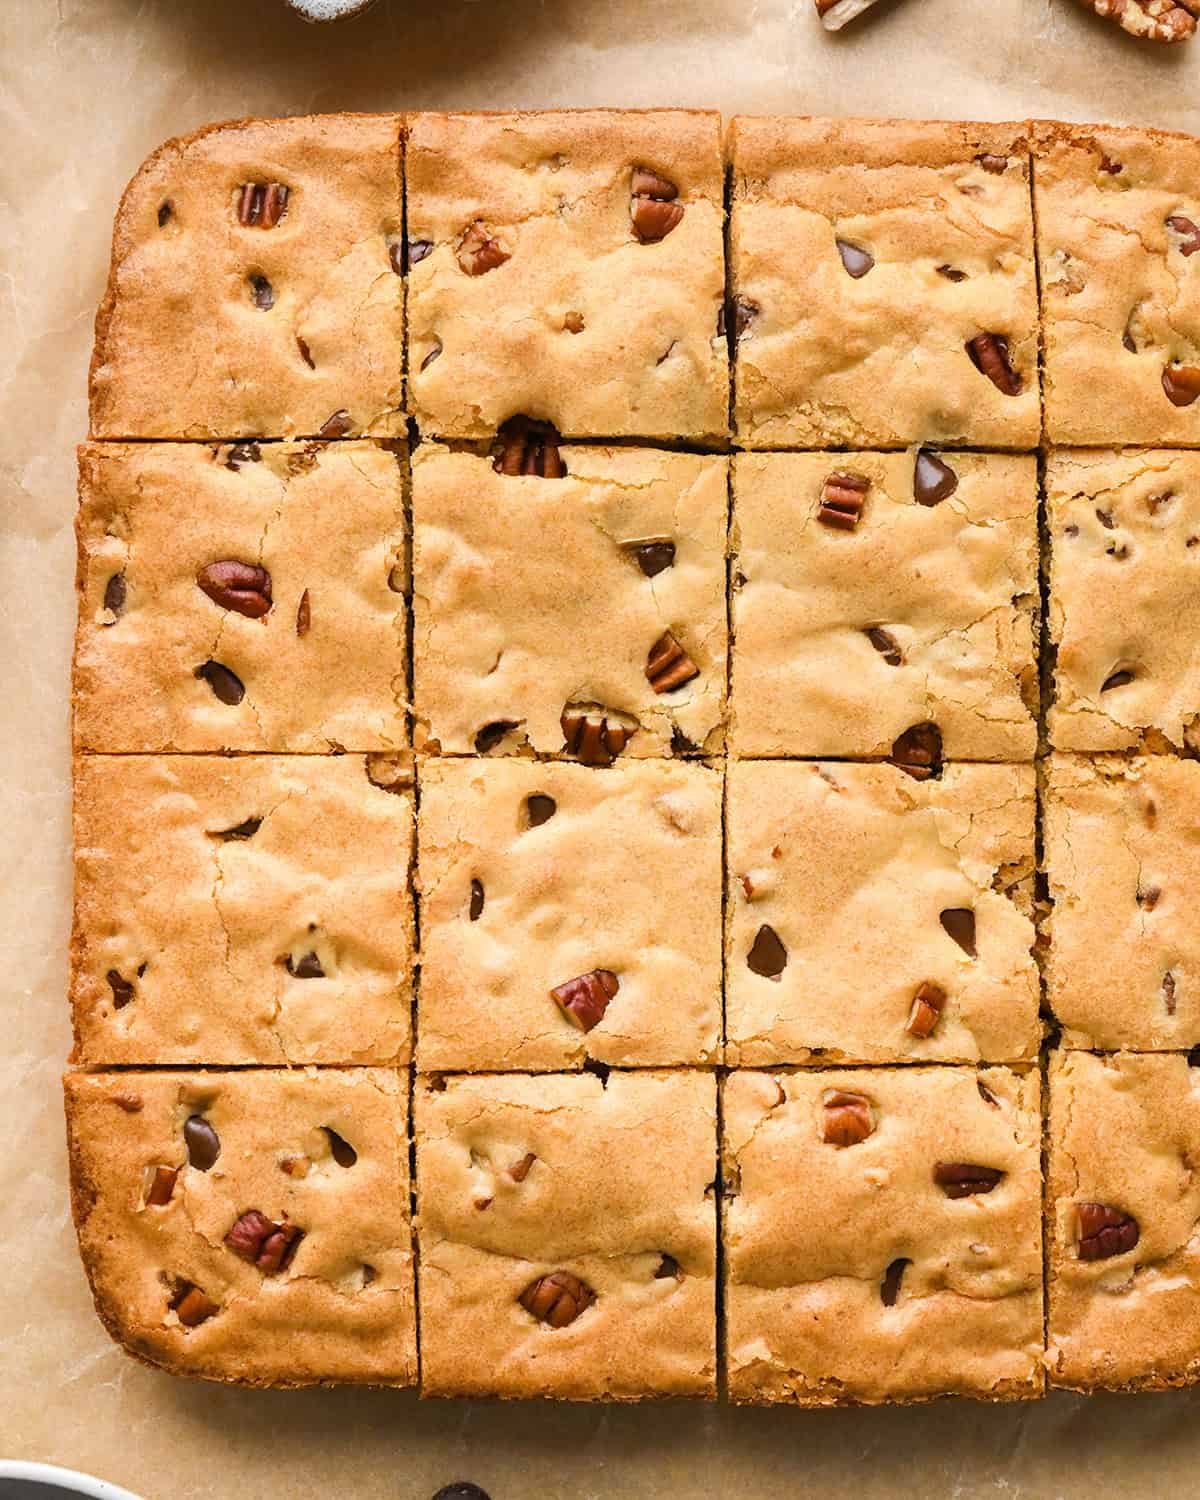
[835, 14]
[242, 587]
[846, 1118]
[652, 206]
[227, 686]
[261, 205]
[654, 557]
[162, 1185]
[951, 273]
[1152, 20]
[767, 956]
[926, 1009]
[526, 447]
[594, 735]
[918, 751]
[191, 1306]
[1168, 989]
[338, 425]
[519, 1170]
[478, 251]
[989, 355]
[1104, 1231]
[303, 615]
[1181, 384]
[669, 666]
[842, 499]
[557, 1299]
[889, 1287]
[584, 999]
[1184, 233]
[264, 1244]
[959, 922]
[886, 644]
[933, 479]
[202, 1141]
[960, 1179]
[855, 259]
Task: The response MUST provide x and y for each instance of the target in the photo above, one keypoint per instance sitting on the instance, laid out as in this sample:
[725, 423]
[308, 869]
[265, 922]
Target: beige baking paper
[88, 88]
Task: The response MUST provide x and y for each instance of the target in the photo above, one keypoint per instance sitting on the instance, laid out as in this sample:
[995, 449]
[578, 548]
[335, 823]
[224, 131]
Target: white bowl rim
[67, 1479]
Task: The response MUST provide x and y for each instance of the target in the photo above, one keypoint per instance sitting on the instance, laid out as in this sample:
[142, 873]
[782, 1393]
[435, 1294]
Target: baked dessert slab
[1124, 603]
[864, 248]
[249, 909]
[250, 1227]
[920, 609]
[1124, 1263]
[540, 601]
[1118, 211]
[545, 887]
[567, 1231]
[255, 289]
[875, 918]
[240, 597]
[1122, 859]
[568, 265]
[882, 1235]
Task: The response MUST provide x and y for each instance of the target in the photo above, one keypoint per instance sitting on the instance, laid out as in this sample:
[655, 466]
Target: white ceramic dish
[24, 1481]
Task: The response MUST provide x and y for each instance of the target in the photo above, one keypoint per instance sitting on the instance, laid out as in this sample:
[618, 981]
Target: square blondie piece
[1118, 230]
[567, 1233]
[882, 1235]
[255, 289]
[250, 1227]
[569, 266]
[875, 918]
[884, 284]
[920, 610]
[1122, 857]
[253, 909]
[1124, 599]
[540, 604]
[545, 887]
[240, 598]
[1124, 1259]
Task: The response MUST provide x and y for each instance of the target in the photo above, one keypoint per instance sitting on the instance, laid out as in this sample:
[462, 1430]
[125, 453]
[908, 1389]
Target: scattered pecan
[584, 999]
[996, 165]
[652, 206]
[595, 737]
[926, 1009]
[242, 587]
[767, 956]
[951, 273]
[1181, 383]
[1148, 896]
[668, 1266]
[264, 1244]
[191, 1306]
[989, 354]
[855, 259]
[519, 1170]
[654, 557]
[557, 1299]
[918, 751]
[959, 923]
[434, 350]
[842, 498]
[669, 666]
[162, 1185]
[1104, 1231]
[1185, 234]
[202, 1141]
[960, 1179]
[835, 14]
[846, 1118]
[261, 205]
[526, 447]
[478, 251]
[1168, 989]
[1152, 20]
[227, 686]
[933, 479]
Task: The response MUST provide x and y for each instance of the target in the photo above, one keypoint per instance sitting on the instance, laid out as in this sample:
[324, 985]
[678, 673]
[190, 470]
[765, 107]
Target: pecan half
[846, 1118]
[1184, 234]
[855, 259]
[264, 1244]
[593, 735]
[242, 587]
[933, 479]
[584, 999]
[202, 1142]
[989, 354]
[1181, 383]
[669, 666]
[557, 1299]
[526, 447]
[1152, 20]
[835, 14]
[918, 751]
[478, 251]
[926, 1009]
[261, 205]
[960, 1179]
[1104, 1231]
[191, 1306]
[959, 923]
[842, 499]
[162, 1185]
[767, 956]
[652, 206]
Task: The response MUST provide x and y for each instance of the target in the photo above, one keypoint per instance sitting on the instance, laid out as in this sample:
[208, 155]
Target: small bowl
[21, 1481]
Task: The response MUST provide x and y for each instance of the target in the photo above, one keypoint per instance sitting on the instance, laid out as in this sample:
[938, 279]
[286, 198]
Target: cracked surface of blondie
[240, 598]
[322, 1153]
[899, 1265]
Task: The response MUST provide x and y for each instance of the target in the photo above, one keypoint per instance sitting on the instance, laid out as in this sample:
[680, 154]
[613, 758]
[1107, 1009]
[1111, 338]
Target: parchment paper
[88, 88]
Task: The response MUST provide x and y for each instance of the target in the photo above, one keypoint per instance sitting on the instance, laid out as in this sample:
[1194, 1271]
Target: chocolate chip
[654, 557]
[668, 1266]
[491, 734]
[668, 665]
[475, 910]
[959, 922]
[1128, 341]
[191, 1306]
[462, 1489]
[856, 260]
[846, 1118]
[161, 1187]
[959, 1179]
[305, 352]
[986, 1094]
[994, 164]
[951, 273]
[539, 809]
[1104, 1231]
[767, 956]
[243, 453]
[989, 354]
[557, 1299]
[307, 966]
[584, 1000]
[918, 751]
[262, 204]
[889, 1287]
[1181, 383]
[1188, 235]
[242, 587]
[680, 743]
[434, 351]
[417, 251]
[926, 1009]
[165, 210]
[264, 1244]
[477, 252]
[744, 313]
[886, 644]
[226, 685]
[303, 614]
[262, 293]
[1105, 518]
[1112, 168]
[526, 447]
[343, 1152]
[1121, 678]
[933, 479]
[652, 207]
[1168, 989]
[593, 736]
[122, 989]
[202, 1141]
[114, 597]
[842, 498]
[338, 425]
[243, 830]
